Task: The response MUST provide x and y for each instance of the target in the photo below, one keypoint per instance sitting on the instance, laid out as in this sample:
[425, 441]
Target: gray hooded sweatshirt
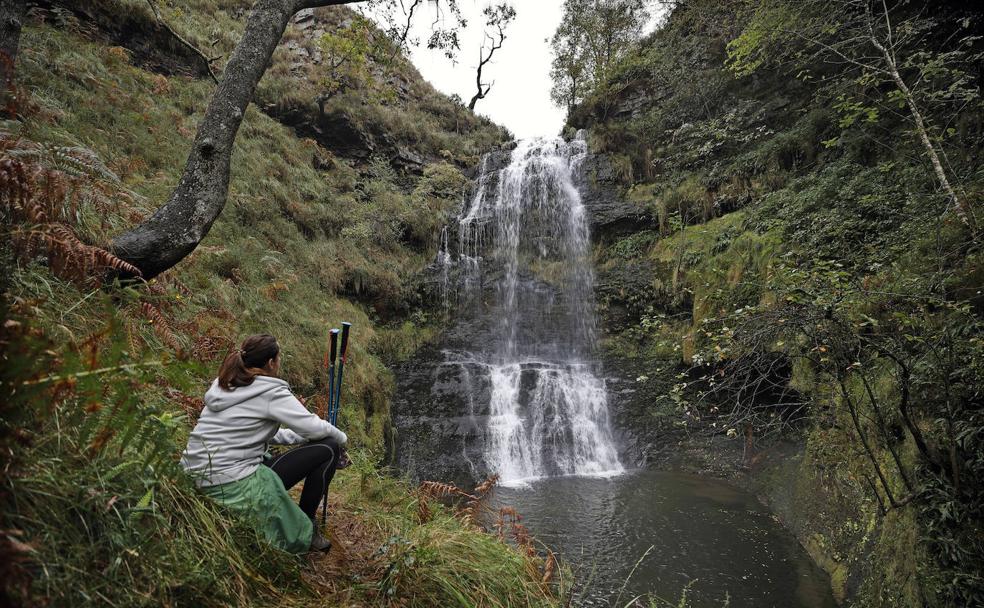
[232, 434]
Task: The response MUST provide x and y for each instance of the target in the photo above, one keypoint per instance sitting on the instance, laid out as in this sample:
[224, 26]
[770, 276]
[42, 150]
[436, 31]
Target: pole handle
[345, 334]
[333, 345]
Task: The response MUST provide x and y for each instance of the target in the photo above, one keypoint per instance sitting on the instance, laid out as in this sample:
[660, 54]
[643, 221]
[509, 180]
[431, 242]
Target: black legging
[313, 462]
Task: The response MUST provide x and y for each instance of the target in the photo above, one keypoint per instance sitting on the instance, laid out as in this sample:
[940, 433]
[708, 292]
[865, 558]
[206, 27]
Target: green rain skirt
[261, 497]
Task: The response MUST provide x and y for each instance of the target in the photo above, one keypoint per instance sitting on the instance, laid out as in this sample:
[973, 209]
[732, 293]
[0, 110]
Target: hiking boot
[319, 543]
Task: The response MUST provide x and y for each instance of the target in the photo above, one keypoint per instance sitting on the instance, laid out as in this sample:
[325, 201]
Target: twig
[631, 572]
[93, 372]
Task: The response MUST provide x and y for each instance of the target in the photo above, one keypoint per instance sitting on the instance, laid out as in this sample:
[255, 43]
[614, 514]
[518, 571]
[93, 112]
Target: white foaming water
[526, 227]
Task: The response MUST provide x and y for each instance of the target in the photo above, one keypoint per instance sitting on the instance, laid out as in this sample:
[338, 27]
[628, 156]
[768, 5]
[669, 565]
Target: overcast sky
[520, 97]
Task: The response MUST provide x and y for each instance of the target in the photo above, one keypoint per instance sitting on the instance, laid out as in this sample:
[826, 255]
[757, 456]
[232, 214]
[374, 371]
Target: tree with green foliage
[348, 51]
[876, 43]
[592, 37]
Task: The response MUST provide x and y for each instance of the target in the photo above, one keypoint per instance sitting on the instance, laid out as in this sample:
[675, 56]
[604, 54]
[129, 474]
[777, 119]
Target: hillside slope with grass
[340, 182]
[805, 298]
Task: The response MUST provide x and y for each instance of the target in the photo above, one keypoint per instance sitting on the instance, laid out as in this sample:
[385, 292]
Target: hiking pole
[330, 364]
[334, 401]
[341, 366]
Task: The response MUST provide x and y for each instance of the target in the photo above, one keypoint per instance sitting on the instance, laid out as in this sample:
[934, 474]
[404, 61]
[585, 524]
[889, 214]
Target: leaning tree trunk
[176, 228]
[959, 205]
[11, 20]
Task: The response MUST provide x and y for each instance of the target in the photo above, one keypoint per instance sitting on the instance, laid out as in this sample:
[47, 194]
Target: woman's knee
[331, 443]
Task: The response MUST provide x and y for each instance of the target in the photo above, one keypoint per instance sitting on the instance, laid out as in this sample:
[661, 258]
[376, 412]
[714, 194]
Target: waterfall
[523, 256]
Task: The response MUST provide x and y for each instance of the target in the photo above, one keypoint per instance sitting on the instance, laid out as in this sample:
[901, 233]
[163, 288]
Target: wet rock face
[597, 181]
[610, 215]
[441, 404]
[432, 413]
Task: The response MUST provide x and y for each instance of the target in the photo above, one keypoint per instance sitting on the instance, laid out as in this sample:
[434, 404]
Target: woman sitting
[227, 450]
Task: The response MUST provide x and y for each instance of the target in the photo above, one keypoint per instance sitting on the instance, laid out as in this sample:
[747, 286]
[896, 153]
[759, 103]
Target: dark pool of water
[678, 532]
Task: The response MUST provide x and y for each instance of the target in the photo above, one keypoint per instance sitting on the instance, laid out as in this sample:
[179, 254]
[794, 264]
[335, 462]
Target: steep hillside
[340, 182]
[802, 277]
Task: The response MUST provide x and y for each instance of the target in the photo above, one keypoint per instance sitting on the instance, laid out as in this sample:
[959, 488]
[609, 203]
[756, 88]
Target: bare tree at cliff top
[177, 227]
[496, 20]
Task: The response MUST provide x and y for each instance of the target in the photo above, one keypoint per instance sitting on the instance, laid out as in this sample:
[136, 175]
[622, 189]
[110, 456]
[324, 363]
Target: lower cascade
[522, 255]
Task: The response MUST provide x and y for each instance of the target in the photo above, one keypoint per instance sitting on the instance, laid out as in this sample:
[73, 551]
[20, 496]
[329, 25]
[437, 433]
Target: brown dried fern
[192, 406]
[474, 502]
[209, 347]
[549, 567]
[37, 207]
[473, 507]
[424, 513]
[486, 486]
[160, 324]
[133, 338]
[437, 489]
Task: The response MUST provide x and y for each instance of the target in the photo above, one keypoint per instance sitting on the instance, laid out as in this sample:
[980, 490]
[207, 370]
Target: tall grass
[94, 492]
[93, 507]
[445, 558]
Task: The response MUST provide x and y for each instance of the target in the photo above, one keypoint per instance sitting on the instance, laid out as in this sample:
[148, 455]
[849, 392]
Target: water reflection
[704, 534]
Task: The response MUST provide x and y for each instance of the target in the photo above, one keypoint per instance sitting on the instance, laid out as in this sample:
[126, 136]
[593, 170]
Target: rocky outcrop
[332, 130]
[610, 214]
[440, 407]
[151, 44]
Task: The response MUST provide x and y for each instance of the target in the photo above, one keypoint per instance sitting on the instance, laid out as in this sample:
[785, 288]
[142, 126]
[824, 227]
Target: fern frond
[192, 406]
[116, 470]
[423, 509]
[549, 567]
[145, 500]
[486, 486]
[161, 325]
[36, 200]
[437, 489]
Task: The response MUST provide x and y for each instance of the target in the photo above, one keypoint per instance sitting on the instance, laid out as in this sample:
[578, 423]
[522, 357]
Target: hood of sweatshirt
[218, 399]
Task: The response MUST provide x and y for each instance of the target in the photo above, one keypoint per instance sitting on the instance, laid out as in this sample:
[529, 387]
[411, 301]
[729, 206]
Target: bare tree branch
[498, 17]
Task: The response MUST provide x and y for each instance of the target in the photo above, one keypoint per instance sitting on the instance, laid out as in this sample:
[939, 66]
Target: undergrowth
[804, 277]
[101, 383]
[96, 510]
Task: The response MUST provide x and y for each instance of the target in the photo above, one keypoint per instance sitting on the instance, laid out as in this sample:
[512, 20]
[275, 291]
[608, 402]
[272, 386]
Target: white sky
[520, 97]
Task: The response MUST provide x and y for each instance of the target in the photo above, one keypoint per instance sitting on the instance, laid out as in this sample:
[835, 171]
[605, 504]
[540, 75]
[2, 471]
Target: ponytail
[241, 366]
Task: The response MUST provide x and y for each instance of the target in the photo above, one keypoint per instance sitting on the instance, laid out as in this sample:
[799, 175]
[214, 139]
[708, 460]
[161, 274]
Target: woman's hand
[343, 459]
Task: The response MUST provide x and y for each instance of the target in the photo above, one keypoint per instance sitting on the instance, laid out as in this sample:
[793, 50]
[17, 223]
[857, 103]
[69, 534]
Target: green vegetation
[102, 384]
[588, 44]
[811, 271]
